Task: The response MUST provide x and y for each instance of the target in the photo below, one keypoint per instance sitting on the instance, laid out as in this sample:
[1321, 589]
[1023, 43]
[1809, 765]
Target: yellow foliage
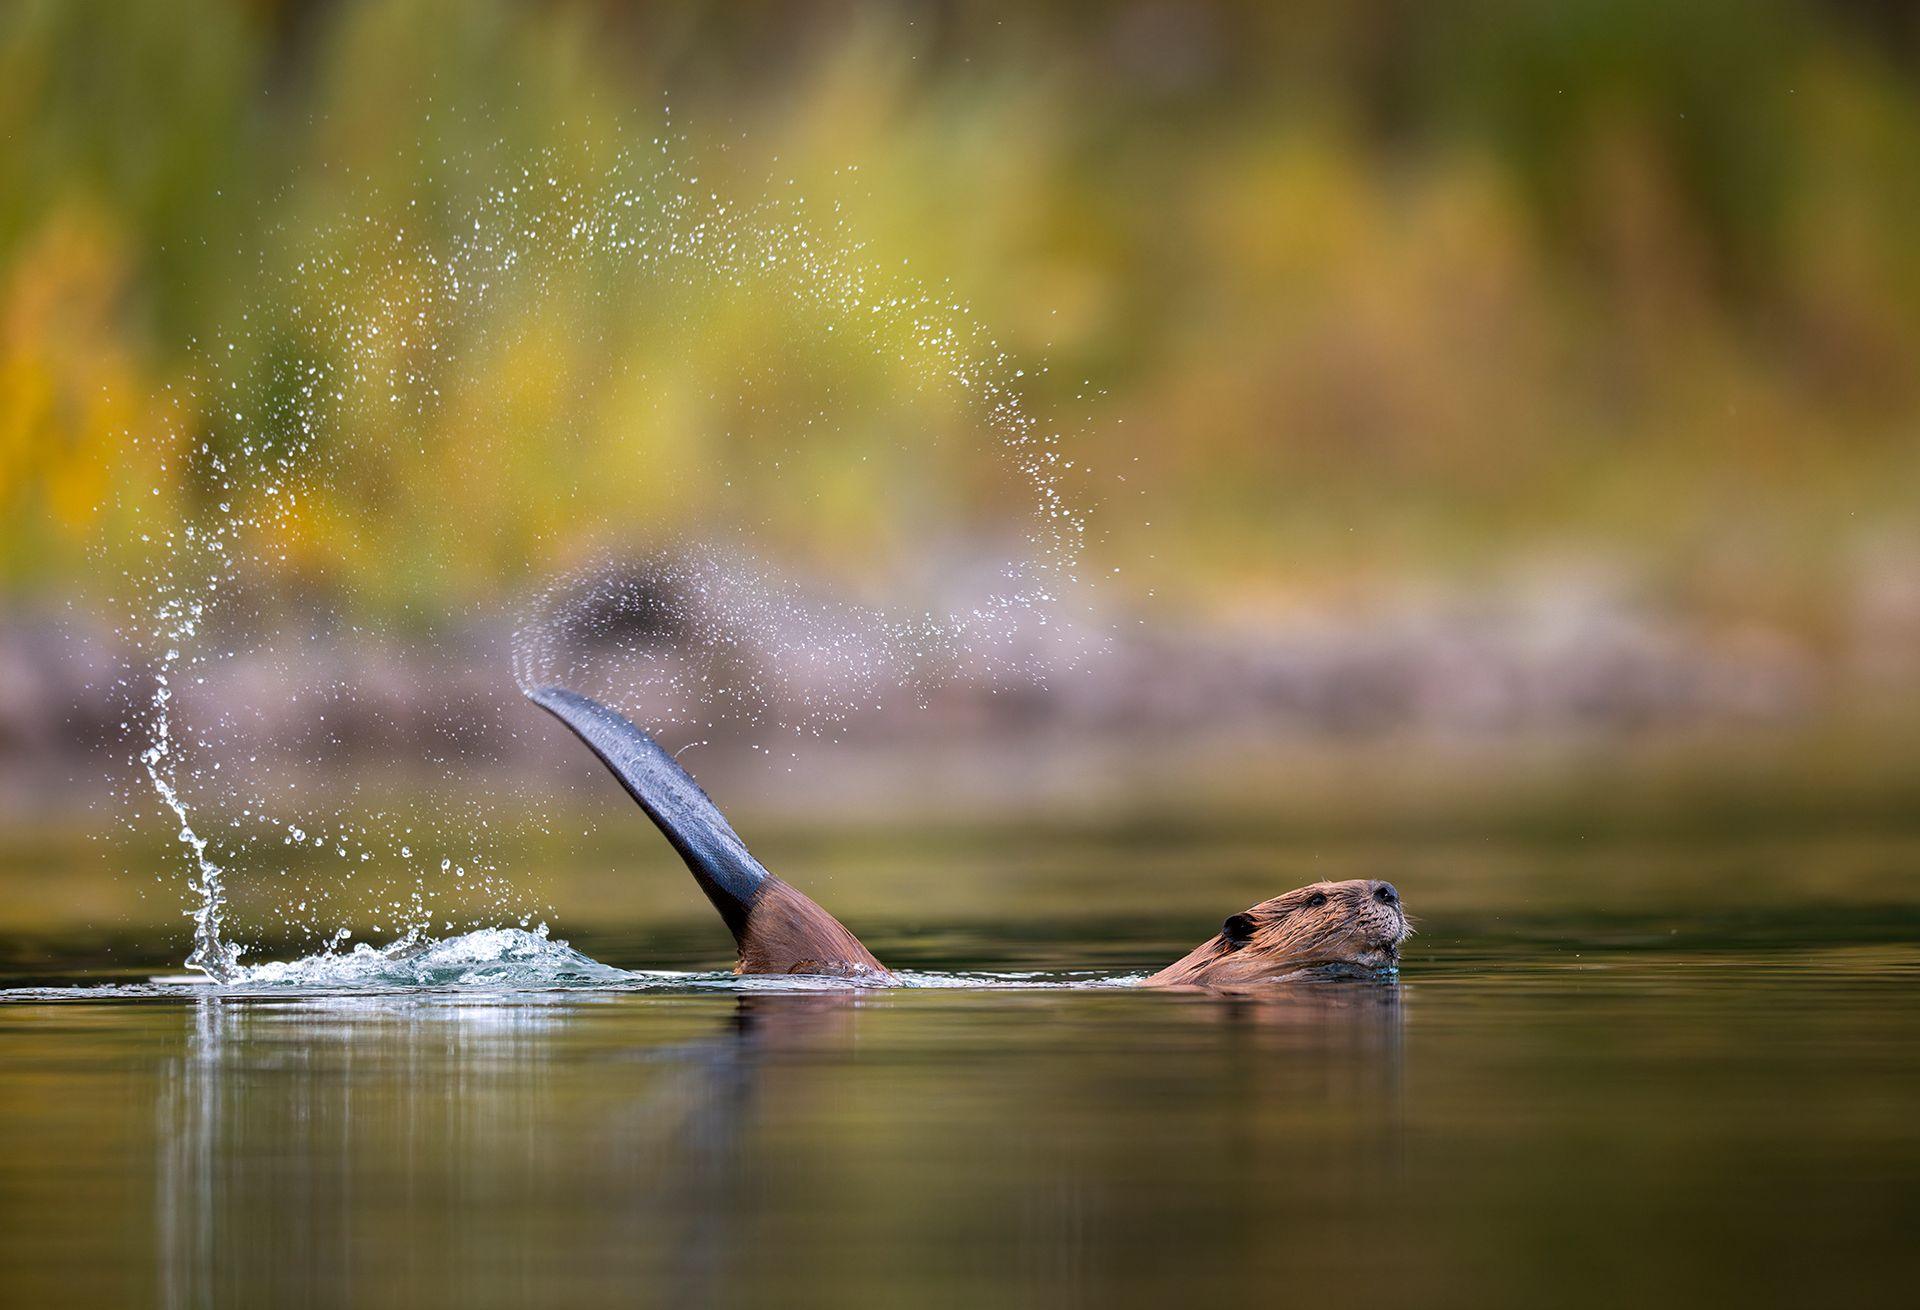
[1334, 312]
[68, 382]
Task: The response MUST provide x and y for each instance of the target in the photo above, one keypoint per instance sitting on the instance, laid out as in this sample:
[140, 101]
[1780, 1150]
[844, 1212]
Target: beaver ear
[1238, 929]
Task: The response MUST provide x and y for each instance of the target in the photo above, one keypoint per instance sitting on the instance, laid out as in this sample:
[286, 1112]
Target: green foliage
[1352, 290]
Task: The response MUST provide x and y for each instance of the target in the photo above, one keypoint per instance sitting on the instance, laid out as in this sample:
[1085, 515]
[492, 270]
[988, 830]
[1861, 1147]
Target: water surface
[1579, 1105]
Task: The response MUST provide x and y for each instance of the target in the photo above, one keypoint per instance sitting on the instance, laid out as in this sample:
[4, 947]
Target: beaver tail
[777, 929]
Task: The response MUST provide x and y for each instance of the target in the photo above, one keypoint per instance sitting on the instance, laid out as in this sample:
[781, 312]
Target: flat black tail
[731, 878]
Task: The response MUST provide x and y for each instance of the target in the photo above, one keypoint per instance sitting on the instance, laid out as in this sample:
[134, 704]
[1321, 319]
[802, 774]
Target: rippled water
[1577, 1106]
[507, 963]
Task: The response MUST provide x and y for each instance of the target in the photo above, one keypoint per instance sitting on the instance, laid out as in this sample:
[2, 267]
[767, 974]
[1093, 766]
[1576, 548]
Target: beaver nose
[1384, 893]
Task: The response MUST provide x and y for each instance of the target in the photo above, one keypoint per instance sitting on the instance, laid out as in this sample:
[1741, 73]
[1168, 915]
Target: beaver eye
[1238, 929]
[1316, 900]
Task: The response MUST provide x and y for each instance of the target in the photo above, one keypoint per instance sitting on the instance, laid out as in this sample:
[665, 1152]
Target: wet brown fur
[785, 932]
[1355, 924]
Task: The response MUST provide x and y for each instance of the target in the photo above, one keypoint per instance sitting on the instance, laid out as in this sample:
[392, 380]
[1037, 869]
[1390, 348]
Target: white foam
[491, 958]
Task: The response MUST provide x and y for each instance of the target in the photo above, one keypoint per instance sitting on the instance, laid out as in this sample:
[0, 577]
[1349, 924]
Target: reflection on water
[328, 1145]
[263, 1121]
[1609, 1119]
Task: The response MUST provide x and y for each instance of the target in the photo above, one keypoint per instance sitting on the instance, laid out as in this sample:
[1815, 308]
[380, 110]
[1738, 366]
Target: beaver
[1348, 926]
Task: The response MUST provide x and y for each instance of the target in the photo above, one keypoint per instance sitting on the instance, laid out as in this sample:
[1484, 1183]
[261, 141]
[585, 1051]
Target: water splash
[212, 954]
[518, 960]
[178, 614]
[404, 320]
[513, 962]
[491, 958]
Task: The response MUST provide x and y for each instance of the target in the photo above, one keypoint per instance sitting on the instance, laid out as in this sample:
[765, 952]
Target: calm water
[1572, 1107]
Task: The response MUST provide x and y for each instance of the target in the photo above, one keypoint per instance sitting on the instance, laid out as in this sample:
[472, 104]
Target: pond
[1579, 1100]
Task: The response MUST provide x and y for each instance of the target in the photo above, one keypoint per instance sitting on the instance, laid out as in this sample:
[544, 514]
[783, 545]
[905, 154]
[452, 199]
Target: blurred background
[1498, 417]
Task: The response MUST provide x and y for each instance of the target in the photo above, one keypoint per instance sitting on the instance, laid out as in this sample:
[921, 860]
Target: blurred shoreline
[1566, 723]
[1496, 681]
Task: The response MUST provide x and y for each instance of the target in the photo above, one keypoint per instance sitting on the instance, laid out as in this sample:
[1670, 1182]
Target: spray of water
[748, 644]
[211, 954]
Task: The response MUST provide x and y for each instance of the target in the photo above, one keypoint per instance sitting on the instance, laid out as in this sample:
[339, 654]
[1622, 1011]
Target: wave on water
[505, 961]
[488, 957]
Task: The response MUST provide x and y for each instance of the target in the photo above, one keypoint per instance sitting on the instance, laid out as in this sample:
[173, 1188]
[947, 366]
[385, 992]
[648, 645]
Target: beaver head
[1357, 924]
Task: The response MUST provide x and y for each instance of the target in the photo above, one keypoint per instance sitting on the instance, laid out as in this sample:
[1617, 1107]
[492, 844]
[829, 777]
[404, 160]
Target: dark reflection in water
[353, 1149]
[1600, 1120]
